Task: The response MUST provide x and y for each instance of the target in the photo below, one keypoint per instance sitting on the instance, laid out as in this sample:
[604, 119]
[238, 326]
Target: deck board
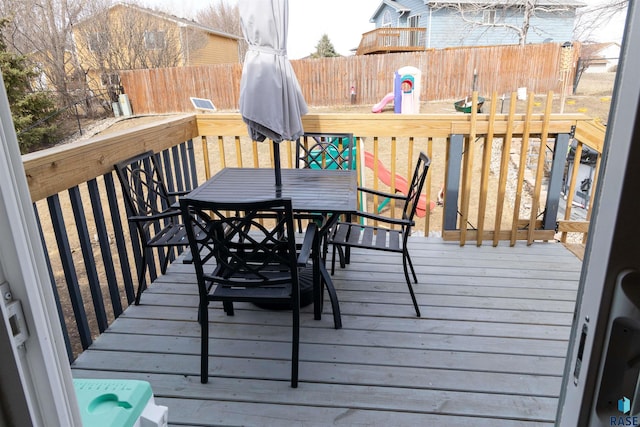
[488, 351]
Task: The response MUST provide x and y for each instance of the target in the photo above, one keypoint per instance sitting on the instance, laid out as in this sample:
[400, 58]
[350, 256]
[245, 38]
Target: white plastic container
[125, 105]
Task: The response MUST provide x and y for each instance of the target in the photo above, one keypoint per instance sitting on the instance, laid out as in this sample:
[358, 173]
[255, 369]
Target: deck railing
[393, 39]
[92, 253]
[486, 169]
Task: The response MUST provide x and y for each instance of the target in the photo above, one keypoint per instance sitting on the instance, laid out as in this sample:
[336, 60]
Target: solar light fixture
[203, 104]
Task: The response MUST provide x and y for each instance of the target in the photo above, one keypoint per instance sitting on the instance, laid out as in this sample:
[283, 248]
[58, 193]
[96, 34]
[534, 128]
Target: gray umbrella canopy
[271, 102]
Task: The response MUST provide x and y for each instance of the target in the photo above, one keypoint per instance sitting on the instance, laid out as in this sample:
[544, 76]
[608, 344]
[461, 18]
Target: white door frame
[36, 386]
[612, 250]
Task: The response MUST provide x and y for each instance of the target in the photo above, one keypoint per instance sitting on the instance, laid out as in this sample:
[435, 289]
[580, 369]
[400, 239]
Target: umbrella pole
[276, 164]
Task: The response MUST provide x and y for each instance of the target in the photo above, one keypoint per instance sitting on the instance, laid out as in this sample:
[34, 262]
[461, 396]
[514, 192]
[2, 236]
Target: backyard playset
[399, 182]
[406, 92]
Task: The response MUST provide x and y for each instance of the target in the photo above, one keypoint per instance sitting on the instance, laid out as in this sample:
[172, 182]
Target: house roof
[400, 9]
[172, 18]
[595, 50]
[544, 3]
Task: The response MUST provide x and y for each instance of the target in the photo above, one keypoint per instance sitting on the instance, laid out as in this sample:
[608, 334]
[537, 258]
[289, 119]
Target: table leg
[333, 296]
[321, 277]
[318, 291]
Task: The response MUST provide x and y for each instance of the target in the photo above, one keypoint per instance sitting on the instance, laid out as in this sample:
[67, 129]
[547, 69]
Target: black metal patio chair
[246, 252]
[390, 234]
[325, 151]
[151, 209]
[333, 151]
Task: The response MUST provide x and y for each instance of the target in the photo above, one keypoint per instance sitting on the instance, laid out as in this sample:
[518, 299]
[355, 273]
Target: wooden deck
[489, 350]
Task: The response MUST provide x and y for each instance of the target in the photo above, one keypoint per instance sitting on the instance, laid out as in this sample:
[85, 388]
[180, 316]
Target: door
[601, 385]
[35, 379]
[14, 408]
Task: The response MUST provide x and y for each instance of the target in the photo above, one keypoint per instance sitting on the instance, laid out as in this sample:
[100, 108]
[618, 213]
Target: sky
[344, 21]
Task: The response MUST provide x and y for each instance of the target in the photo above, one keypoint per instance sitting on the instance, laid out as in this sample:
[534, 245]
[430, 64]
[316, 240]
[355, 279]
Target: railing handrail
[416, 125]
[392, 29]
[59, 168]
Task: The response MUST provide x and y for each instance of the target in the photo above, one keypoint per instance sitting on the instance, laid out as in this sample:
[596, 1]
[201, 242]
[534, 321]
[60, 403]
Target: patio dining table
[312, 191]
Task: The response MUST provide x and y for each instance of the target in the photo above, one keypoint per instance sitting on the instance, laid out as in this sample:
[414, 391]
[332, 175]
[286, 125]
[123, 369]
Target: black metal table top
[310, 190]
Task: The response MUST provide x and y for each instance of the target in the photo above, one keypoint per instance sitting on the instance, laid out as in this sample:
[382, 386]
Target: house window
[97, 42]
[414, 22]
[488, 16]
[386, 19]
[154, 40]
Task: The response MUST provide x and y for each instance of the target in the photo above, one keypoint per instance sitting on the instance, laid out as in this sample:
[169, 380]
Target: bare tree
[128, 37]
[127, 41]
[224, 17]
[591, 18]
[72, 42]
[511, 15]
[42, 31]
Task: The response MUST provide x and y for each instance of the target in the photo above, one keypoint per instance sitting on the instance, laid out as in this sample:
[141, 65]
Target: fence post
[453, 182]
[555, 181]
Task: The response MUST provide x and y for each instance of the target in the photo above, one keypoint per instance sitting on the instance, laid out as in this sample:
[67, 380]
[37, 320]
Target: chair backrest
[326, 151]
[142, 184]
[253, 243]
[415, 186]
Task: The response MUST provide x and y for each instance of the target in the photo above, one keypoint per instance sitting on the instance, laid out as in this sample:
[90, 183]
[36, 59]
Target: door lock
[15, 315]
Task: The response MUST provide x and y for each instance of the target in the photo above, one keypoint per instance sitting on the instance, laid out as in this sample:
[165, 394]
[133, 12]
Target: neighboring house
[451, 23]
[600, 57]
[127, 36]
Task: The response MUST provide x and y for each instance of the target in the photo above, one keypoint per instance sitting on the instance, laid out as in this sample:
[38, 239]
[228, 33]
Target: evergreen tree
[324, 48]
[27, 106]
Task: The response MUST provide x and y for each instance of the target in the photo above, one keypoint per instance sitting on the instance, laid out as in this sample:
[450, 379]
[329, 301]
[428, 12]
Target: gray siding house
[451, 23]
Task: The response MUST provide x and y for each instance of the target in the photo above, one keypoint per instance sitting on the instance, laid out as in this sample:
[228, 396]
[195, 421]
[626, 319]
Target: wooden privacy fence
[446, 74]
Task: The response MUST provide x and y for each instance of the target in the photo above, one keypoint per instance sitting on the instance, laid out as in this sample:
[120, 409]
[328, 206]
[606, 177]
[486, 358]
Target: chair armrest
[382, 193]
[385, 219]
[307, 244]
[175, 196]
[171, 212]
[178, 193]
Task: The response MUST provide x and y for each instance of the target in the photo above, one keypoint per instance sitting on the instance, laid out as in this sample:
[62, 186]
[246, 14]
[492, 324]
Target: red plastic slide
[401, 183]
[380, 105]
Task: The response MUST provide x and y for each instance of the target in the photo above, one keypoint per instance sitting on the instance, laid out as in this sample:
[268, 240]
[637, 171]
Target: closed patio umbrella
[271, 102]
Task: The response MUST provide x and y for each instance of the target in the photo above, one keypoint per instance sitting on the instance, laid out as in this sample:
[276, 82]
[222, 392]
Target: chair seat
[362, 236]
[271, 294]
[171, 235]
[273, 297]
